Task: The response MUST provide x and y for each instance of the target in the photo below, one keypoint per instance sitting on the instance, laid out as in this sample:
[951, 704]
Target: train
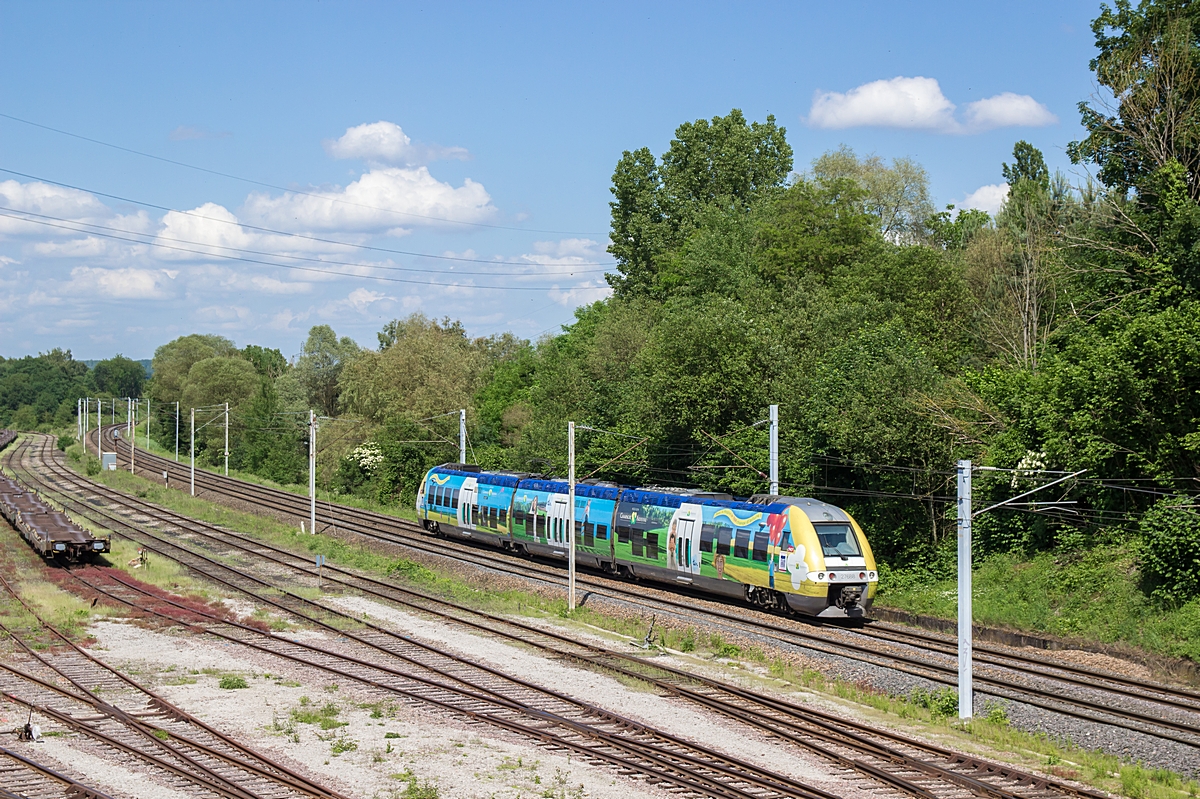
[790, 554]
[51, 533]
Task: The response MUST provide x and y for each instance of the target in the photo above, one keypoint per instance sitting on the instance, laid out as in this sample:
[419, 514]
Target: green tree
[173, 361]
[1149, 61]
[897, 195]
[269, 363]
[320, 364]
[119, 377]
[724, 162]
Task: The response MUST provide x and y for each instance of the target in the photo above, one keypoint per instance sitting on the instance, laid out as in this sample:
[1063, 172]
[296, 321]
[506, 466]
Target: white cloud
[896, 103]
[1007, 110]
[988, 198]
[128, 283]
[359, 301]
[919, 104]
[379, 201]
[385, 143]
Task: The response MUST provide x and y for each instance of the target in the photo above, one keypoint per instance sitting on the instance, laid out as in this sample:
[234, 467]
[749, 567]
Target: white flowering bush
[368, 456]
[1029, 466]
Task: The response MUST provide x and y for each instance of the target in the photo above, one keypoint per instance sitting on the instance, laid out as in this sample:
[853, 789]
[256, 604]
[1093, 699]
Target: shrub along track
[904, 764]
[1151, 709]
[179, 750]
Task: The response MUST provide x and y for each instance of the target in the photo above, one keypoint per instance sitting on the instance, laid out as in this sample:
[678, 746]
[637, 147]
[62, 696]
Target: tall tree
[725, 162]
[320, 364]
[173, 360]
[896, 195]
[1149, 61]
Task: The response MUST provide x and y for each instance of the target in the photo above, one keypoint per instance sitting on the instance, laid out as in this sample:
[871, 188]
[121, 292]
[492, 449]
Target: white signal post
[226, 439]
[774, 450]
[192, 450]
[571, 517]
[312, 471]
[177, 431]
[132, 436]
[966, 617]
[147, 423]
[462, 436]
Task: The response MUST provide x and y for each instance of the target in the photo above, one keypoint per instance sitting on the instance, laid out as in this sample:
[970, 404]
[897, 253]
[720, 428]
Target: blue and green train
[782, 553]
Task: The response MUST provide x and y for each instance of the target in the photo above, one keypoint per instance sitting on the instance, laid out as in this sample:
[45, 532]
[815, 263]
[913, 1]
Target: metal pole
[132, 437]
[147, 423]
[226, 439]
[462, 436]
[312, 471]
[774, 450]
[78, 427]
[965, 616]
[192, 449]
[177, 431]
[571, 516]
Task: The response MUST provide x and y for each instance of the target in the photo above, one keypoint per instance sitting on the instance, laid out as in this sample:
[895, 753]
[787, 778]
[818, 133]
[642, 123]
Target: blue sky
[501, 124]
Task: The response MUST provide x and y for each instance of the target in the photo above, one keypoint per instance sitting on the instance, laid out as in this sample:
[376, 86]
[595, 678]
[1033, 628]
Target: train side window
[707, 533]
[761, 543]
[741, 544]
[454, 499]
[724, 539]
[602, 531]
[623, 535]
[503, 516]
[652, 545]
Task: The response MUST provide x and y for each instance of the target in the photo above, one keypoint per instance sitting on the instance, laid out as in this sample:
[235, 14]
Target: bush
[92, 467]
[941, 702]
[1171, 551]
[65, 441]
[231, 682]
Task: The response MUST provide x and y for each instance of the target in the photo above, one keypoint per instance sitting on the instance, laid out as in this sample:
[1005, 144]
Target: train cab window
[741, 544]
[838, 540]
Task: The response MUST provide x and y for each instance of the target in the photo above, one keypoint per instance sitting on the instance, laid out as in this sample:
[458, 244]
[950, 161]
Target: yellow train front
[780, 553]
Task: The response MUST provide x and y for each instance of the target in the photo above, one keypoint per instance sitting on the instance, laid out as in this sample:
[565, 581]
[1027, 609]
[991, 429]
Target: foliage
[119, 377]
[38, 392]
[320, 364]
[1171, 555]
[233, 681]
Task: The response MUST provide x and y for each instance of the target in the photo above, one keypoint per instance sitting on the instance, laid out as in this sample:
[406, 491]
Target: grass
[1091, 595]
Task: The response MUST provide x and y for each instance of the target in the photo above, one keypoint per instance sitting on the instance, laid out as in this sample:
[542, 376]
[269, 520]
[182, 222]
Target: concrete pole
[147, 423]
[462, 436]
[965, 616]
[78, 427]
[132, 437]
[226, 439]
[177, 431]
[774, 450]
[571, 517]
[192, 450]
[312, 471]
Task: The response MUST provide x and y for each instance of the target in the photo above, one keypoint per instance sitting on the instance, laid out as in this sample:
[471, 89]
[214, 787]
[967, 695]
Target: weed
[232, 681]
[688, 642]
[941, 702]
[343, 744]
[161, 735]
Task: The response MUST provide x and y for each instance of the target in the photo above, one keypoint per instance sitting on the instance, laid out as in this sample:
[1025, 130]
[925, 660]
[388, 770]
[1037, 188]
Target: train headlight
[97, 545]
[862, 575]
[871, 575]
[60, 547]
[832, 576]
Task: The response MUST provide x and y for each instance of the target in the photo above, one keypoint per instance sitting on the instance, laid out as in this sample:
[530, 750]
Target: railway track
[133, 722]
[906, 765]
[401, 667]
[1160, 711]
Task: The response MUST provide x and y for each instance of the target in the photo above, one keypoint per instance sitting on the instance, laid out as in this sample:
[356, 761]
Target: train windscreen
[838, 540]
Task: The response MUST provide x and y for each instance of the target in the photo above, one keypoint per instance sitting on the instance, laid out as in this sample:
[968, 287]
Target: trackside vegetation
[1061, 333]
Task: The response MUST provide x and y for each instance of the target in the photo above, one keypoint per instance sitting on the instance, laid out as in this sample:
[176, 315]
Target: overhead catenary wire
[306, 237]
[295, 267]
[254, 182]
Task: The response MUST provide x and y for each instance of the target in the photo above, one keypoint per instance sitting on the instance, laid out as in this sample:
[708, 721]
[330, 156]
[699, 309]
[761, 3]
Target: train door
[684, 540]
[558, 517]
[468, 496]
